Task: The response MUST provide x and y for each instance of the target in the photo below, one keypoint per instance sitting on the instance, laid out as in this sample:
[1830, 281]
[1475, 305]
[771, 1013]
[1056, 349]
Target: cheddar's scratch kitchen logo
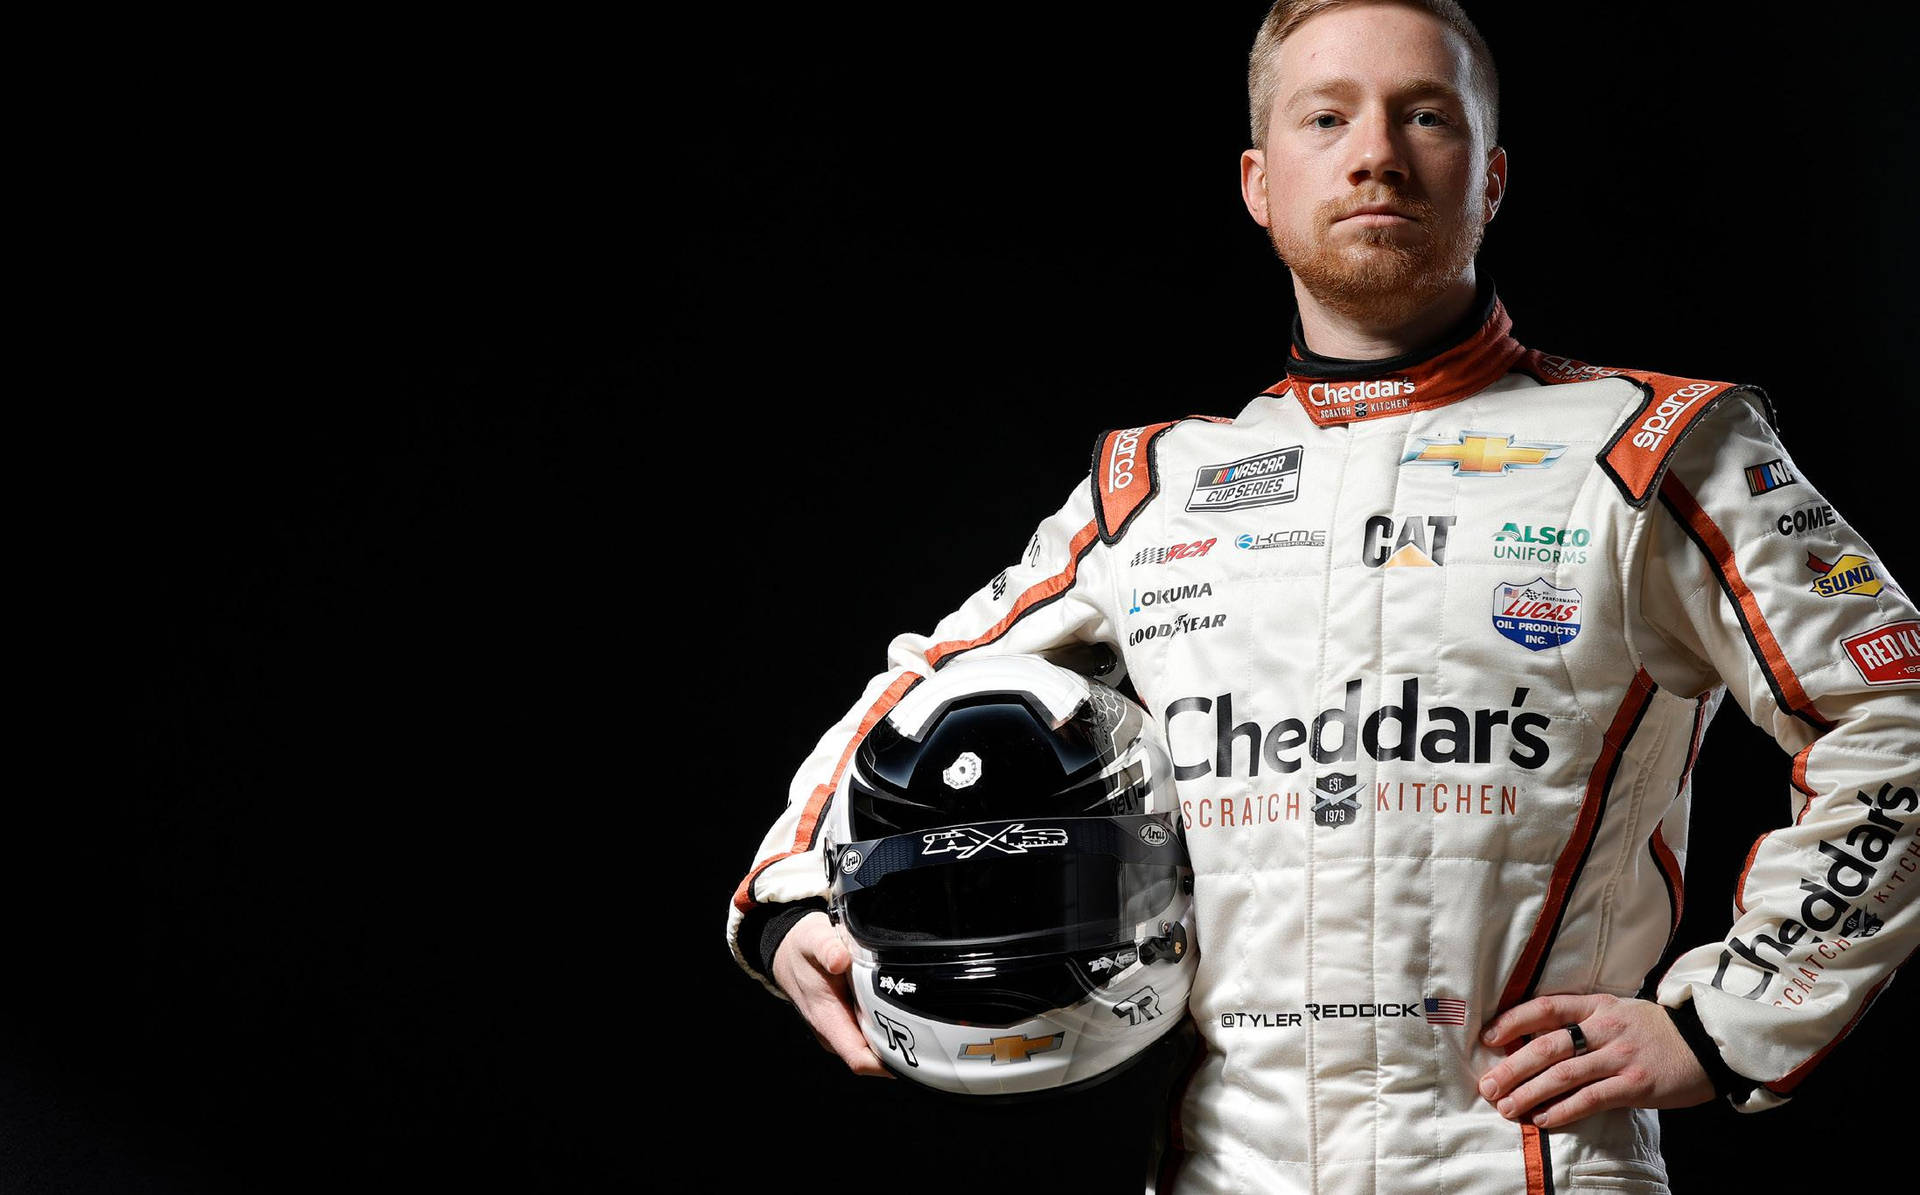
[1853, 856]
[1337, 735]
[1850, 574]
[1360, 399]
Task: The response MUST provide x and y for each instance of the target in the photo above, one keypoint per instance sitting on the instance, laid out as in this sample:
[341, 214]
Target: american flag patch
[1770, 476]
[1446, 1012]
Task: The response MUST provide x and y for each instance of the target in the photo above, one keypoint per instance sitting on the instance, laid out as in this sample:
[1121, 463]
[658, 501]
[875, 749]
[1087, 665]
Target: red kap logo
[1015, 1048]
[1850, 574]
[1887, 655]
[1482, 454]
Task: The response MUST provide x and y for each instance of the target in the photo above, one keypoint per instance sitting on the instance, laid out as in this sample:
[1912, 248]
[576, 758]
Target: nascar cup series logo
[1536, 615]
[1260, 480]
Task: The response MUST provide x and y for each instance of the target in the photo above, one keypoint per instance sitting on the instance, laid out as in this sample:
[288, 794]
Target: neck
[1353, 337]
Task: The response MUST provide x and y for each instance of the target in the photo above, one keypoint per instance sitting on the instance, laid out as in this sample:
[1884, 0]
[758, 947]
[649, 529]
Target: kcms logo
[1410, 544]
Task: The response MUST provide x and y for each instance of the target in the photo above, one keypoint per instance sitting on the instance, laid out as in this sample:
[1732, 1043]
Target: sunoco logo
[1177, 593]
[1391, 731]
[1850, 574]
[1262, 480]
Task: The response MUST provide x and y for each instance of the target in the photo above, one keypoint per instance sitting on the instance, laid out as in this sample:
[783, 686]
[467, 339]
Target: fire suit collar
[1472, 355]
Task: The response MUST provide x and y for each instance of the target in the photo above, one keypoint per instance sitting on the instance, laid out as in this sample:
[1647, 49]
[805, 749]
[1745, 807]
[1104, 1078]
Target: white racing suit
[1434, 647]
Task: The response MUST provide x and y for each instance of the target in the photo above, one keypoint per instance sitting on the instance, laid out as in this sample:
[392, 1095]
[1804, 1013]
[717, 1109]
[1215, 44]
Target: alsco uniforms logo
[1482, 454]
[1545, 543]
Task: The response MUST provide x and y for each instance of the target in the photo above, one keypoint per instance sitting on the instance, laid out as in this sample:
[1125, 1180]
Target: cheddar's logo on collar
[1482, 454]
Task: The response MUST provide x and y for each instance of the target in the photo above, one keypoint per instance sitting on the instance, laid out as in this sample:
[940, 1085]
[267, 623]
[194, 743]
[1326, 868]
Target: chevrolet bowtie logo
[1011, 1049]
[1482, 454]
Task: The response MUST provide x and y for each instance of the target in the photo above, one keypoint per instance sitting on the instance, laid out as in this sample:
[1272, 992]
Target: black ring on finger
[1579, 1040]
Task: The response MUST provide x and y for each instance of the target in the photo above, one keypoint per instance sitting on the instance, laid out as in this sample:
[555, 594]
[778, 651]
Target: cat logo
[1482, 454]
[1016, 1048]
[1849, 574]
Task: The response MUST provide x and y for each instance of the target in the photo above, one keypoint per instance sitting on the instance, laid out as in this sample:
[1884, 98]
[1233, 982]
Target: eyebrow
[1406, 87]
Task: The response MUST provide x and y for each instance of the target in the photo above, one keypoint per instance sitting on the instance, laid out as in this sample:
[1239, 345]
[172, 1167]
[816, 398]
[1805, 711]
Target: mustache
[1406, 205]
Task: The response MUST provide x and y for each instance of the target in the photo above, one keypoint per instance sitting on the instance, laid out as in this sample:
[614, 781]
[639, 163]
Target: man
[1434, 646]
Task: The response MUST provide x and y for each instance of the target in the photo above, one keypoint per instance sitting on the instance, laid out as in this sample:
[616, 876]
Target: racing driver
[1433, 628]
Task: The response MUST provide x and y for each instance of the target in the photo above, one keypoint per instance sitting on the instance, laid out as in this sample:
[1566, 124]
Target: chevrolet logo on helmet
[1017, 1048]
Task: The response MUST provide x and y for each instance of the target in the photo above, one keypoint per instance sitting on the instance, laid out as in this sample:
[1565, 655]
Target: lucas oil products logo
[1544, 543]
[1169, 554]
[1536, 615]
[1850, 574]
[1262, 480]
[1482, 454]
[1410, 542]
[1887, 655]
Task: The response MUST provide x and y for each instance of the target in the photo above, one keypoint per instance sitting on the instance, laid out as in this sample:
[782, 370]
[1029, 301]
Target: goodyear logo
[1850, 574]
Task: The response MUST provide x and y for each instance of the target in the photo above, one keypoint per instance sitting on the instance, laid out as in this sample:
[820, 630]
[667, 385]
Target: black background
[486, 459]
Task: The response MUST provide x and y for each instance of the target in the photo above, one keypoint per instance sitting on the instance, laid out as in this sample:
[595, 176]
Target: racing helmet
[1009, 869]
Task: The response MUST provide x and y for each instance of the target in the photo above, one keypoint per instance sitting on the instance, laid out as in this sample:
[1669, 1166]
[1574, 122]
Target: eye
[1427, 118]
[1325, 120]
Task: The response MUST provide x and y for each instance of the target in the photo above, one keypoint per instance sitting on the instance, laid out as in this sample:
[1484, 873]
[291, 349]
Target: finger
[1529, 1060]
[1563, 1076]
[1614, 1091]
[1539, 1015]
[830, 1011]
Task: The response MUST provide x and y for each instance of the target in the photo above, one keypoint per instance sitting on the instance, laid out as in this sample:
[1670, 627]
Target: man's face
[1375, 185]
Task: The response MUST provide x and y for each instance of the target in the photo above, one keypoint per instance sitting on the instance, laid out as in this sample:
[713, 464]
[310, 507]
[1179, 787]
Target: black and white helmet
[1007, 861]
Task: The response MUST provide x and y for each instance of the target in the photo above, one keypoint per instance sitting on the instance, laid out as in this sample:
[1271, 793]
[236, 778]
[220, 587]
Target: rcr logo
[1120, 469]
[1655, 427]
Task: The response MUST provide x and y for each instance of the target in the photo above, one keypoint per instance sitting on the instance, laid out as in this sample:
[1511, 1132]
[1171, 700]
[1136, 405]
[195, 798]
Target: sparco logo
[1849, 874]
[1178, 593]
[1198, 547]
[1453, 735]
[1120, 468]
[1654, 428]
[1251, 481]
[1325, 394]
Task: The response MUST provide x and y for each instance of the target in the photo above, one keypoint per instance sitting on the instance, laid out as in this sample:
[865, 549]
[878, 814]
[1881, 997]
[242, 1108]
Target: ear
[1496, 182]
[1253, 186]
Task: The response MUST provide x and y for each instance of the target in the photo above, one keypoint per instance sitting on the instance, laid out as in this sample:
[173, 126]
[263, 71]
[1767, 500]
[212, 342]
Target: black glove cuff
[766, 926]
[1726, 1081]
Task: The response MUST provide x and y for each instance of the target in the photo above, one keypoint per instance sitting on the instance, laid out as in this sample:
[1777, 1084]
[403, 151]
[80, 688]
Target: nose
[1377, 153]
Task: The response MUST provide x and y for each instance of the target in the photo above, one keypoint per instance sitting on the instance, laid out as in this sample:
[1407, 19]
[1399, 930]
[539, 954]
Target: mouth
[1376, 214]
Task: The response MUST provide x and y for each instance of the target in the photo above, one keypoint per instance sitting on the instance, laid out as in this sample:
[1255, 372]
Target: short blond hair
[1288, 15]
